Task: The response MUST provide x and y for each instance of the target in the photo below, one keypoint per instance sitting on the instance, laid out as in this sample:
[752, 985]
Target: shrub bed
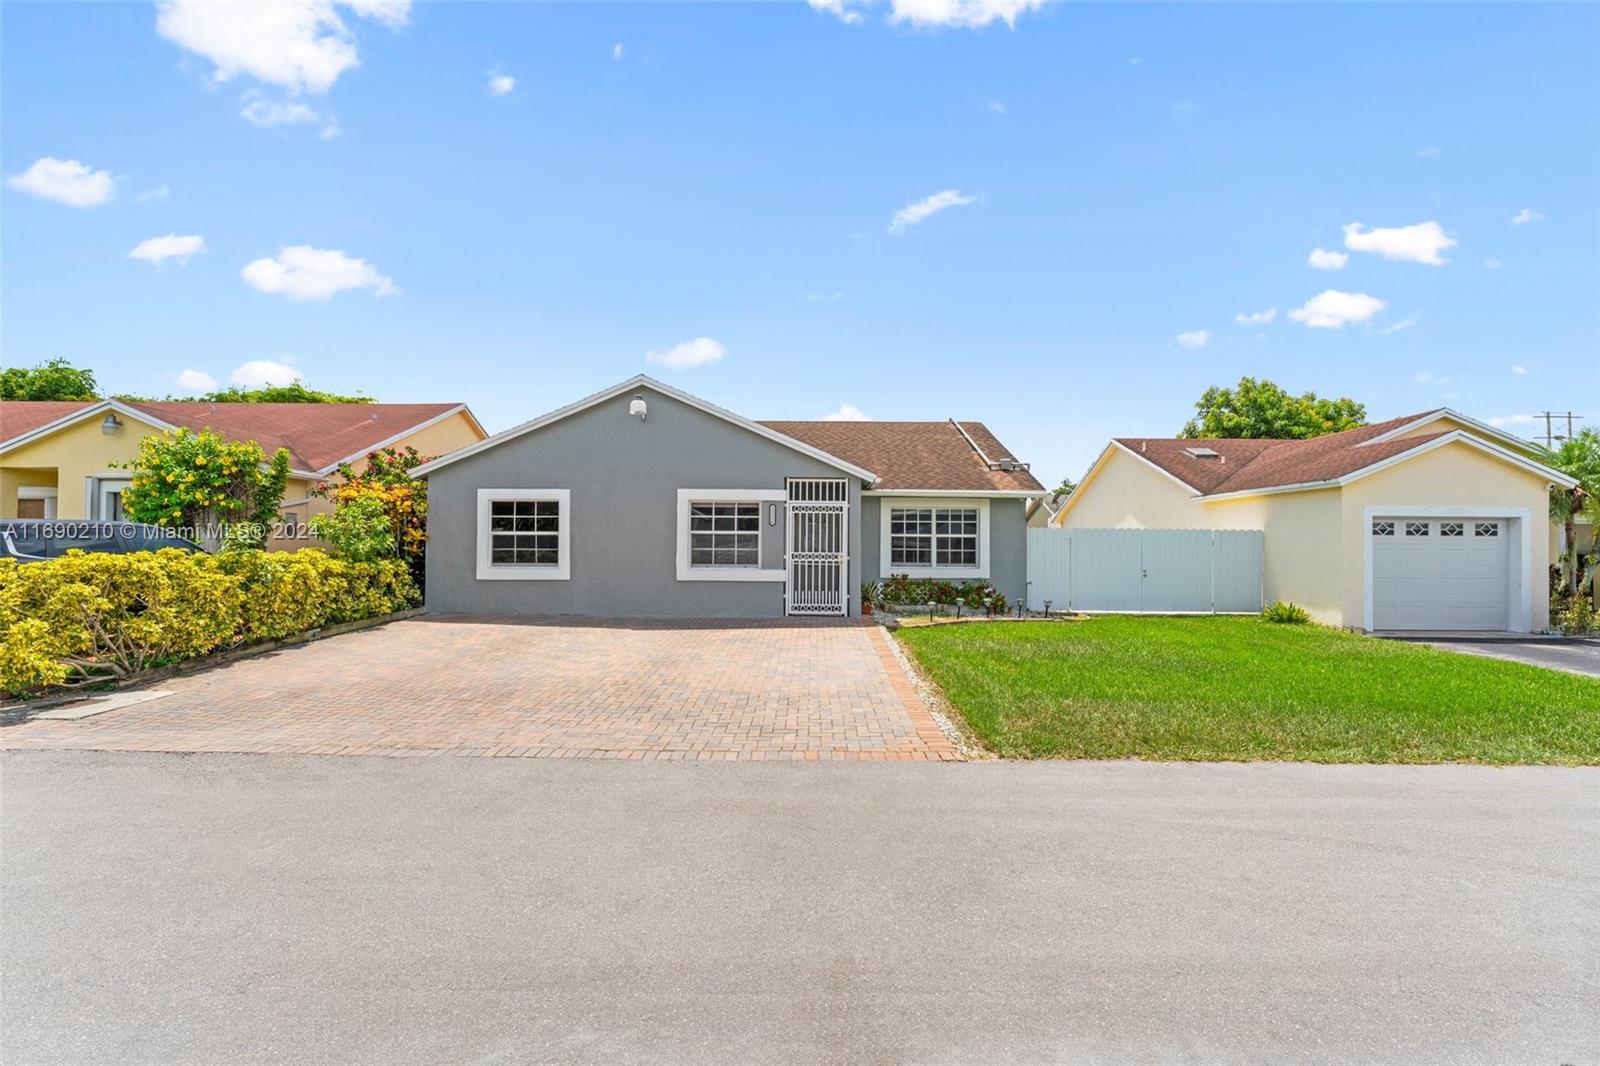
[903, 590]
[93, 617]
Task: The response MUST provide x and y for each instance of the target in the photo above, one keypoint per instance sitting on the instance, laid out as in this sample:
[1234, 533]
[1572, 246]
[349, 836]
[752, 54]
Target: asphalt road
[1578, 656]
[221, 909]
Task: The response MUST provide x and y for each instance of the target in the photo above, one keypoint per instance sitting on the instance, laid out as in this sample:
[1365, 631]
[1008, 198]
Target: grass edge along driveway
[1230, 689]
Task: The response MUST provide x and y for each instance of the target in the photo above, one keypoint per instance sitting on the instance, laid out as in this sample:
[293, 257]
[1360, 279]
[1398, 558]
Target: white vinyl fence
[1155, 571]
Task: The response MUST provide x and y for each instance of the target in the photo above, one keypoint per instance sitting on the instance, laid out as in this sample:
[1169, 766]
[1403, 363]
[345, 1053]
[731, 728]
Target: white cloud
[1420, 243]
[1492, 263]
[702, 351]
[1332, 309]
[1519, 369]
[1260, 318]
[911, 214]
[501, 84]
[1403, 324]
[157, 195]
[258, 373]
[1428, 377]
[298, 45]
[995, 107]
[266, 114]
[1323, 259]
[192, 380]
[847, 412]
[66, 181]
[616, 50]
[157, 250]
[1526, 215]
[1510, 420]
[302, 272]
[969, 14]
[1194, 338]
[839, 9]
[1429, 152]
[823, 297]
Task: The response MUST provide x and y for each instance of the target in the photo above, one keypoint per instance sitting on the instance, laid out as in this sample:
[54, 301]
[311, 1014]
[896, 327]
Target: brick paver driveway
[614, 689]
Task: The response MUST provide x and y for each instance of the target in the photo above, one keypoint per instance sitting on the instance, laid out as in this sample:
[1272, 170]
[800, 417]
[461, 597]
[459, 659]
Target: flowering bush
[96, 616]
[386, 480]
[202, 480]
[360, 528]
[905, 590]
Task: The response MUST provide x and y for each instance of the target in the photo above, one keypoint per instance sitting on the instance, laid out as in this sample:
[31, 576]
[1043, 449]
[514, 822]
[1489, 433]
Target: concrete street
[285, 908]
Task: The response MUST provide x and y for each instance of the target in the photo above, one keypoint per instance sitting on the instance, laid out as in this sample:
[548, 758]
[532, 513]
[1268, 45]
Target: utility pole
[1550, 435]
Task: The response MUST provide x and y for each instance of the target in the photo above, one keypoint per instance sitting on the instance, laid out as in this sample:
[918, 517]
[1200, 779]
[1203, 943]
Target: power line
[1550, 435]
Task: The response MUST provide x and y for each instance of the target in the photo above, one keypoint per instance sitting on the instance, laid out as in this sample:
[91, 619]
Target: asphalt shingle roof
[1243, 465]
[917, 455]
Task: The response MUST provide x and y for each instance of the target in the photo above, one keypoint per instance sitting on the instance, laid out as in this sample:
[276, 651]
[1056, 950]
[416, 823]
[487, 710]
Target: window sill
[728, 573]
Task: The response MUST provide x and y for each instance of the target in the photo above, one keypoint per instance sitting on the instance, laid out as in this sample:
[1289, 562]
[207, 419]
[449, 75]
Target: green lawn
[1238, 688]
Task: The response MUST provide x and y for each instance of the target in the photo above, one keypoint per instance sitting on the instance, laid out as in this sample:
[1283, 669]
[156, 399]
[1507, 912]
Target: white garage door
[1440, 573]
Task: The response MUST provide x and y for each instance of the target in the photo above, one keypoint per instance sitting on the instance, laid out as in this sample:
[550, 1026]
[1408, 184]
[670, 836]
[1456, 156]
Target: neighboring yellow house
[66, 459]
[1432, 521]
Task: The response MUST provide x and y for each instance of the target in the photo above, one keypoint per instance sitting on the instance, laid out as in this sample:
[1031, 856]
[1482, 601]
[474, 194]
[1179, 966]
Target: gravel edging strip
[933, 698]
[11, 713]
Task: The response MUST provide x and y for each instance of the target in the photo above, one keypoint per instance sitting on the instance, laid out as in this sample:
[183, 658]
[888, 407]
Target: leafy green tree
[292, 393]
[359, 528]
[1578, 456]
[1260, 409]
[1067, 487]
[387, 478]
[54, 380]
[203, 481]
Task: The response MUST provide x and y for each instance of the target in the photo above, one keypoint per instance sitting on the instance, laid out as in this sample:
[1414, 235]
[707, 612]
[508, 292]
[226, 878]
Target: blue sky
[724, 187]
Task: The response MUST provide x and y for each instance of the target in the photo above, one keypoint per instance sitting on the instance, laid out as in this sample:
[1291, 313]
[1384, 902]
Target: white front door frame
[1519, 575]
[96, 487]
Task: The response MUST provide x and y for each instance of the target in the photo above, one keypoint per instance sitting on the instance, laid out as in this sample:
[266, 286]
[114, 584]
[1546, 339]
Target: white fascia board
[976, 494]
[645, 381]
[402, 435]
[1509, 439]
[76, 416]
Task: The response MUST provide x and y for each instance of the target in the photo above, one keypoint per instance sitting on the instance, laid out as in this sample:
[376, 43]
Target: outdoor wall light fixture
[772, 514]
[637, 407]
[110, 424]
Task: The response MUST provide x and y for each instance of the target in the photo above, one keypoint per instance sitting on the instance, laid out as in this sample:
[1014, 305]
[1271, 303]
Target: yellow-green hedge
[86, 617]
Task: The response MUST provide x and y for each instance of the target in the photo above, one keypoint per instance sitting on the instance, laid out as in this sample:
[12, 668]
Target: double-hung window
[724, 533]
[936, 538]
[524, 534]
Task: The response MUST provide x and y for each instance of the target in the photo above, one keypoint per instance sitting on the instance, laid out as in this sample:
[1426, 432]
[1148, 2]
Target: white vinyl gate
[1155, 571]
[816, 555]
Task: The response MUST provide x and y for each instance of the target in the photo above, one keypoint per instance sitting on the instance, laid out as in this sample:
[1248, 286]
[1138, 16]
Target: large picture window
[934, 538]
[724, 534]
[524, 534]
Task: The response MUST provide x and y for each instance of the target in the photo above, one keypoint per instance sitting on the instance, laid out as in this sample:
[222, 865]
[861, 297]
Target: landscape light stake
[931, 606]
[1047, 608]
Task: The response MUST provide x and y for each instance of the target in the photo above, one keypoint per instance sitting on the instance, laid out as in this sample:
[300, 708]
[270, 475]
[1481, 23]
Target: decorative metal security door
[816, 546]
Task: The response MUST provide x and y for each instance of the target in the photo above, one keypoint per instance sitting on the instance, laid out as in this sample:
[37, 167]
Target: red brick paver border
[607, 689]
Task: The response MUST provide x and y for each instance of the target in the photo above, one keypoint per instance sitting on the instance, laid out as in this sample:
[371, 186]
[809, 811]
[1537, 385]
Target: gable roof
[1243, 466]
[645, 381]
[319, 436]
[945, 456]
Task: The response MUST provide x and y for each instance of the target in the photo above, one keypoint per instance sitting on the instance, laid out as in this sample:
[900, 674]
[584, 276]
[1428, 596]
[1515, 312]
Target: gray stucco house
[645, 501]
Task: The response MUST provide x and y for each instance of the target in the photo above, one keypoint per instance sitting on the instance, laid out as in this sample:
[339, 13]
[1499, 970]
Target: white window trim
[562, 571]
[885, 552]
[1519, 577]
[767, 498]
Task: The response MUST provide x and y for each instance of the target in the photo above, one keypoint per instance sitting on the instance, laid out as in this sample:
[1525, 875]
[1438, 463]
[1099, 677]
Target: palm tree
[1578, 456]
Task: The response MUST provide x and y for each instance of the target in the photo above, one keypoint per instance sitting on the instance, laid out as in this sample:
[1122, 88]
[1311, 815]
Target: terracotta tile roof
[316, 434]
[1262, 464]
[18, 417]
[917, 455]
